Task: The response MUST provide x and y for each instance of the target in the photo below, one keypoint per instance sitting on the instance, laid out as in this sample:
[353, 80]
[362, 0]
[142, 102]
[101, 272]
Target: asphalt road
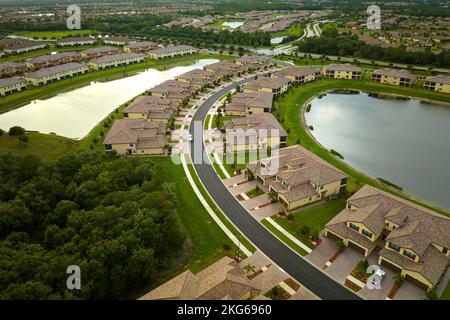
[308, 275]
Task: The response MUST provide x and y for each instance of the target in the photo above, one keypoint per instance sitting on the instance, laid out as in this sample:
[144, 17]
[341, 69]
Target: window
[444, 250]
[354, 227]
[393, 246]
[368, 234]
[409, 254]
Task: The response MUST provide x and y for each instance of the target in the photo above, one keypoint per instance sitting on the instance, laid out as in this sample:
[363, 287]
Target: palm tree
[399, 279]
[249, 268]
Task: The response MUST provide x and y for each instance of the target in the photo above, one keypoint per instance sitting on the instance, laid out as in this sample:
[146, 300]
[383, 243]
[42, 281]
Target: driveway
[322, 253]
[256, 202]
[240, 178]
[265, 212]
[243, 187]
[409, 291]
[344, 265]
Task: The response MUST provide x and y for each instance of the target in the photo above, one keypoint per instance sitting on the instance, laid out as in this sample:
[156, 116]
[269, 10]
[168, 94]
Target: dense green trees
[114, 219]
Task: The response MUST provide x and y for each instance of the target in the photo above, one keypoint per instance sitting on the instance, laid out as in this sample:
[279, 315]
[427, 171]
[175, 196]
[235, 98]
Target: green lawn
[287, 110]
[54, 34]
[294, 30]
[446, 294]
[32, 93]
[233, 165]
[315, 218]
[254, 192]
[283, 238]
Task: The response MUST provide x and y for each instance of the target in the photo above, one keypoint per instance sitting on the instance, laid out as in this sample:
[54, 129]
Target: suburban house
[243, 103]
[198, 78]
[140, 47]
[59, 72]
[300, 75]
[116, 60]
[438, 83]
[254, 63]
[51, 60]
[342, 71]
[136, 137]
[274, 85]
[225, 69]
[12, 85]
[118, 41]
[144, 106]
[171, 52]
[254, 132]
[173, 89]
[414, 241]
[222, 280]
[298, 177]
[76, 41]
[98, 52]
[402, 78]
[11, 68]
[15, 46]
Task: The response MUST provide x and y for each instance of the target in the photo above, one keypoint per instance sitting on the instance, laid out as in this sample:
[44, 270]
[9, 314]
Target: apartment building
[140, 47]
[98, 52]
[116, 60]
[136, 137]
[12, 85]
[275, 85]
[225, 69]
[143, 106]
[56, 73]
[51, 60]
[343, 71]
[76, 41]
[16, 46]
[246, 103]
[298, 177]
[11, 68]
[414, 241]
[300, 75]
[199, 78]
[401, 78]
[254, 63]
[254, 132]
[173, 89]
[171, 52]
[437, 83]
[118, 41]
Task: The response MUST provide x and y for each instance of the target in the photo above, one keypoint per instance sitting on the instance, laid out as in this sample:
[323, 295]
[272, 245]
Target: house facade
[401, 78]
[300, 75]
[116, 60]
[56, 73]
[171, 52]
[414, 241]
[437, 83]
[274, 85]
[342, 71]
[246, 103]
[12, 85]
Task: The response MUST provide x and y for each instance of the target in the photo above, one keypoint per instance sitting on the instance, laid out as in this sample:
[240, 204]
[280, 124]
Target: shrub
[16, 131]
[226, 247]
[1, 132]
[315, 235]
[304, 230]
[290, 216]
[23, 138]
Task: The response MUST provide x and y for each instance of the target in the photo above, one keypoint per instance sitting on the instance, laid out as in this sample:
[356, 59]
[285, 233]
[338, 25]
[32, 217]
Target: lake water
[73, 114]
[233, 24]
[406, 142]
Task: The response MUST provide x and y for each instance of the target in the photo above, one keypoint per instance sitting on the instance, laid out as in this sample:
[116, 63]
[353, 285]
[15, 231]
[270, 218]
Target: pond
[233, 24]
[403, 141]
[73, 114]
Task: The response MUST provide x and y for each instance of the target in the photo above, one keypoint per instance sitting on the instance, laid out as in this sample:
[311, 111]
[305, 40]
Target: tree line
[115, 219]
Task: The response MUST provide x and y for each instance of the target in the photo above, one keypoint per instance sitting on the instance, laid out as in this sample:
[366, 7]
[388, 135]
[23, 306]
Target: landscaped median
[291, 244]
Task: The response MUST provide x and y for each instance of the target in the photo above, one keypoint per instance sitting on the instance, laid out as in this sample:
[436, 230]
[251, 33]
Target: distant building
[438, 83]
[225, 69]
[140, 47]
[118, 41]
[98, 52]
[343, 71]
[76, 41]
[402, 78]
[143, 106]
[136, 137]
[56, 73]
[300, 75]
[171, 52]
[15, 46]
[11, 68]
[51, 60]
[274, 85]
[12, 85]
[244, 103]
[173, 89]
[116, 60]
[198, 78]
[254, 63]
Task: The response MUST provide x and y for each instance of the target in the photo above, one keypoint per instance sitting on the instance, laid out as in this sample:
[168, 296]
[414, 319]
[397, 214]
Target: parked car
[377, 277]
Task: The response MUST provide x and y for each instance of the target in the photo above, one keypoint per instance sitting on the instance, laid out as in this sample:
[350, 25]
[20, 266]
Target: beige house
[51, 60]
[98, 52]
[116, 60]
[275, 85]
[12, 85]
[16, 46]
[254, 63]
[254, 132]
[198, 78]
[171, 52]
[11, 68]
[142, 106]
[222, 280]
[174, 90]
[414, 241]
[140, 47]
[298, 177]
[438, 83]
[402, 78]
[118, 41]
[300, 75]
[225, 69]
[76, 41]
[136, 137]
[56, 73]
[342, 71]
[243, 103]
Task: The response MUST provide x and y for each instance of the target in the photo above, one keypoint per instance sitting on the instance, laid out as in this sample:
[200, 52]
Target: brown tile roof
[54, 70]
[10, 81]
[119, 56]
[76, 39]
[198, 77]
[100, 50]
[173, 87]
[342, 67]
[145, 104]
[11, 64]
[268, 82]
[170, 49]
[439, 79]
[49, 58]
[395, 73]
[141, 44]
[250, 99]
[257, 122]
[223, 68]
[137, 131]
[298, 71]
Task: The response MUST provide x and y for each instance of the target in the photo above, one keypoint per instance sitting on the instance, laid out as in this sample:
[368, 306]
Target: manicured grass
[254, 192]
[294, 30]
[315, 218]
[32, 93]
[446, 294]
[283, 238]
[288, 108]
[206, 123]
[54, 34]
[45, 146]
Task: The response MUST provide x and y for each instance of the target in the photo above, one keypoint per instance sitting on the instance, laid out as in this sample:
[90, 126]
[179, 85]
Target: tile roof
[173, 86]
[10, 81]
[268, 82]
[11, 64]
[125, 131]
[141, 44]
[76, 39]
[342, 67]
[170, 49]
[439, 79]
[262, 124]
[100, 50]
[145, 104]
[56, 69]
[115, 57]
[298, 71]
[53, 57]
[250, 99]
[395, 73]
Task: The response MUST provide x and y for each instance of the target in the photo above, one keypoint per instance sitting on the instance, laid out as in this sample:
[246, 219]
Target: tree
[16, 131]
[249, 268]
[249, 175]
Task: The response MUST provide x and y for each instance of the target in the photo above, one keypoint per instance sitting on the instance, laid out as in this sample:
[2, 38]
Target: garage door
[390, 266]
[356, 247]
[416, 282]
[333, 236]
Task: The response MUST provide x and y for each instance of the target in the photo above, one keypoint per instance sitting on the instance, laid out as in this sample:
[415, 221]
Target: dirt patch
[393, 291]
[291, 283]
[352, 286]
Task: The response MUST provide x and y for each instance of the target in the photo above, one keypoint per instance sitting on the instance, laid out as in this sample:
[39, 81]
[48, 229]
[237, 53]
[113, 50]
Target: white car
[377, 277]
[189, 137]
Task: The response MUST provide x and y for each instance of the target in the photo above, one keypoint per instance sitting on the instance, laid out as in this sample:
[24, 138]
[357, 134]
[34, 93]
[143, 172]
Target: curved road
[308, 275]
